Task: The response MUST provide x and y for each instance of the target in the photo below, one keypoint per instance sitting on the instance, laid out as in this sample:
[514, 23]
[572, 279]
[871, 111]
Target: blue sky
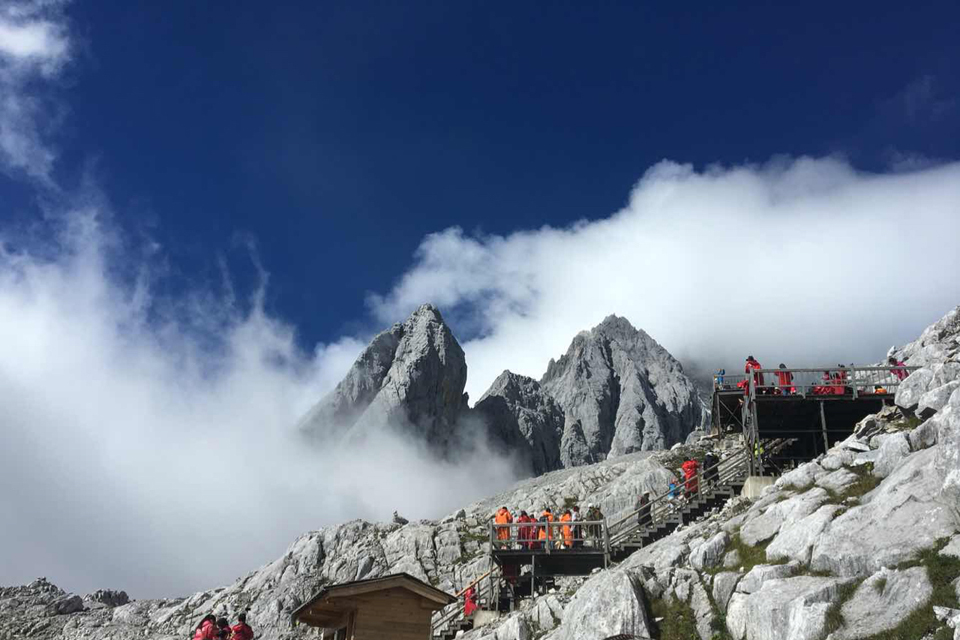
[206, 213]
[337, 136]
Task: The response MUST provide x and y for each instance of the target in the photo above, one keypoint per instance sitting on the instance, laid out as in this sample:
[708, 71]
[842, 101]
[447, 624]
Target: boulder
[795, 608]
[837, 481]
[710, 553]
[609, 603]
[884, 600]
[801, 477]
[766, 525]
[795, 539]
[702, 611]
[761, 573]
[896, 520]
[836, 459]
[66, 605]
[894, 448]
[935, 399]
[724, 584]
[924, 436]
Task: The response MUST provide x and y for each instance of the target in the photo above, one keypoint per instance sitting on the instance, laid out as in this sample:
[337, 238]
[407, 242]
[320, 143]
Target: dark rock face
[523, 420]
[621, 392]
[411, 376]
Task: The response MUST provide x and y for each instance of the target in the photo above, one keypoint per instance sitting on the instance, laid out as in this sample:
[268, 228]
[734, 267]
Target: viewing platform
[815, 407]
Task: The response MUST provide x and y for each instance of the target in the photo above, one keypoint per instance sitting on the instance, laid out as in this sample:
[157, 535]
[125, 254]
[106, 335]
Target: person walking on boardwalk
[526, 533]
[690, 468]
[643, 509]
[503, 517]
[900, 373]
[546, 533]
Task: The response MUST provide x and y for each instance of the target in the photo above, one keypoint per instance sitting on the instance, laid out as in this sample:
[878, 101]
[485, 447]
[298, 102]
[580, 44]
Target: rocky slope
[620, 392]
[448, 553]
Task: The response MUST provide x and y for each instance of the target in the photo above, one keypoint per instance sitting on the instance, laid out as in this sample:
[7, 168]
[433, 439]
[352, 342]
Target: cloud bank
[803, 261]
[147, 442]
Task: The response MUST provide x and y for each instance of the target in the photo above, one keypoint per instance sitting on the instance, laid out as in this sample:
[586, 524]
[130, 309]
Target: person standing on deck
[577, 529]
[753, 365]
[567, 529]
[785, 381]
[241, 630]
[503, 517]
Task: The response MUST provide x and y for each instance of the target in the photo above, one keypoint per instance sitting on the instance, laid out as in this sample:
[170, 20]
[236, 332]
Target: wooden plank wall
[395, 613]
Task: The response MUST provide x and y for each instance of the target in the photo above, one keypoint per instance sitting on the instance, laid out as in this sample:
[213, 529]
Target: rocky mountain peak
[411, 376]
[621, 392]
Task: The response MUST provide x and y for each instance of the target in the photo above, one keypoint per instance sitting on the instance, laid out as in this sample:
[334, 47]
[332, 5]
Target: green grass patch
[570, 503]
[908, 423]
[834, 619]
[678, 621]
[864, 484]
[751, 556]
[941, 571]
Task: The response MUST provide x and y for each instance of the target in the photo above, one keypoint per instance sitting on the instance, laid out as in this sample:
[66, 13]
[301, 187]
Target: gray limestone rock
[702, 611]
[620, 392]
[801, 477]
[724, 584]
[935, 399]
[731, 559]
[766, 525]
[947, 460]
[795, 539]
[524, 419]
[837, 481]
[836, 459]
[609, 603]
[762, 573]
[410, 377]
[66, 605]
[883, 600]
[924, 436]
[896, 520]
[794, 608]
[710, 553]
[952, 548]
[894, 448]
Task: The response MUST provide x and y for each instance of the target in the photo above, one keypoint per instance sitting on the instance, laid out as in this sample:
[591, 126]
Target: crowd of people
[535, 533]
[213, 628]
[571, 530]
[832, 382]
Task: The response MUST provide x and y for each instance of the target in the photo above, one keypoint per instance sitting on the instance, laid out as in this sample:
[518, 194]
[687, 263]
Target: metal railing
[665, 505]
[486, 591]
[824, 381]
[551, 537]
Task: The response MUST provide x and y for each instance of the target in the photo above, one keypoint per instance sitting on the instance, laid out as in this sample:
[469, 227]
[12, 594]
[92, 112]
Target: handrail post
[606, 537]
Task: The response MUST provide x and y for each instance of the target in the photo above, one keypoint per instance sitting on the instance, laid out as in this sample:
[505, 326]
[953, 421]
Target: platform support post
[823, 425]
[533, 576]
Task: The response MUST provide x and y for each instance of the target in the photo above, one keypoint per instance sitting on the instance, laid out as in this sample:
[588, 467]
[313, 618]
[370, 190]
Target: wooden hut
[397, 606]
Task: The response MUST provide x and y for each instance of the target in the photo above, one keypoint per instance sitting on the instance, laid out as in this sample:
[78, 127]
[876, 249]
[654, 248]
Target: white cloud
[147, 443]
[34, 44]
[804, 261]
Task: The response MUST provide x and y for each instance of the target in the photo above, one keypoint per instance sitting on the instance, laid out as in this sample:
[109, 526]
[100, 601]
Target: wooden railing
[485, 590]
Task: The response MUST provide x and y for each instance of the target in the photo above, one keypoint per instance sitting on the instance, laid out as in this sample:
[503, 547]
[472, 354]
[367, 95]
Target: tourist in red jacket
[207, 629]
[241, 630]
